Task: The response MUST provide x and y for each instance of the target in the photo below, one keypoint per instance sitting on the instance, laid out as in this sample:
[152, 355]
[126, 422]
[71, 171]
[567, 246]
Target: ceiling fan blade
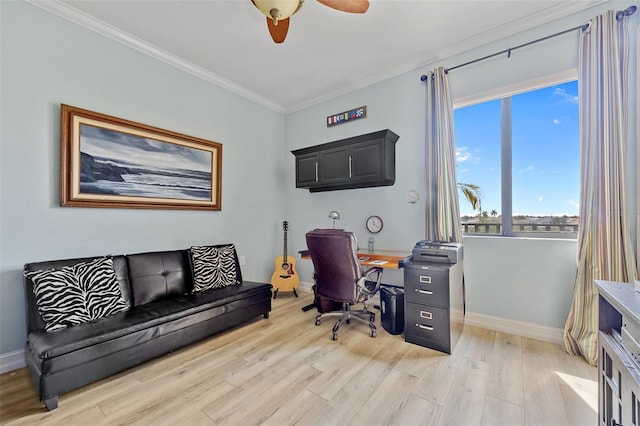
[278, 32]
[351, 6]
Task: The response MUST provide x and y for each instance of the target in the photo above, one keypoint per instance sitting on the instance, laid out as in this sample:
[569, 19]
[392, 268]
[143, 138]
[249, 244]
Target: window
[521, 150]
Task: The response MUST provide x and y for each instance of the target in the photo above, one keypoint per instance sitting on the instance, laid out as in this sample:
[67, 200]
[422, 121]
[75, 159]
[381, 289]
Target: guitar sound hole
[285, 266]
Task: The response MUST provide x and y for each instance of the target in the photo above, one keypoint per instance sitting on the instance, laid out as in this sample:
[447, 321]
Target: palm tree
[494, 213]
[472, 193]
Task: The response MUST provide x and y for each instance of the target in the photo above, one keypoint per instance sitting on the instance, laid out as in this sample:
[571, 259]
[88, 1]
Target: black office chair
[340, 278]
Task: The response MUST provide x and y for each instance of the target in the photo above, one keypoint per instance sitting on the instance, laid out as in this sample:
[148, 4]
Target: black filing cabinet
[434, 304]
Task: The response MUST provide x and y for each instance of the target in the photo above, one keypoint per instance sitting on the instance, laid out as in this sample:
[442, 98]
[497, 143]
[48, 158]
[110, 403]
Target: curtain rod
[627, 12]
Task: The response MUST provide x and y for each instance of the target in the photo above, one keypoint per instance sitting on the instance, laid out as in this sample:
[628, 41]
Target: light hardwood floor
[285, 370]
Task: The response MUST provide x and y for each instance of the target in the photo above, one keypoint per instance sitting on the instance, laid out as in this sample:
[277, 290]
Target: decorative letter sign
[343, 117]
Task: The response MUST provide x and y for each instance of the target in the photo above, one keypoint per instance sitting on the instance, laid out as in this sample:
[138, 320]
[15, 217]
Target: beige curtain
[443, 209]
[604, 239]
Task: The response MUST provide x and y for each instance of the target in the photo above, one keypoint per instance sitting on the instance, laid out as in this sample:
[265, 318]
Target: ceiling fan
[278, 12]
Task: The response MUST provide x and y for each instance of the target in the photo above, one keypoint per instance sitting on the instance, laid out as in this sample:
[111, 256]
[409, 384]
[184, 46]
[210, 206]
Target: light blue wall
[395, 104]
[47, 60]
[529, 280]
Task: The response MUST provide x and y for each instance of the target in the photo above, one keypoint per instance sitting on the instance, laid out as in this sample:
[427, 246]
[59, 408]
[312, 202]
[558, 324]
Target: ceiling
[327, 53]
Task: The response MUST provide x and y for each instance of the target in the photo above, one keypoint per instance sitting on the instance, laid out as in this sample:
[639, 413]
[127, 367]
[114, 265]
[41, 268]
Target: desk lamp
[335, 216]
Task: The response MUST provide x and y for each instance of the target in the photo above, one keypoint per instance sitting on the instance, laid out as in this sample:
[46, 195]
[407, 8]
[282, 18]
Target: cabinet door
[334, 165]
[367, 160]
[307, 170]
[612, 377]
[358, 162]
[631, 406]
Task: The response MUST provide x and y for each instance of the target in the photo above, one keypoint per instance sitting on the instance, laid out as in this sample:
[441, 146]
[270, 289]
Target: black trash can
[392, 309]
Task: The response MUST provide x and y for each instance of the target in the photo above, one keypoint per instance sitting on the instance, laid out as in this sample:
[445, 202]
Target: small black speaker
[392, 309]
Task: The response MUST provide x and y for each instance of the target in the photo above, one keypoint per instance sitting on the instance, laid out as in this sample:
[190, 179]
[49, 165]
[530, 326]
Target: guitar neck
[284, 251]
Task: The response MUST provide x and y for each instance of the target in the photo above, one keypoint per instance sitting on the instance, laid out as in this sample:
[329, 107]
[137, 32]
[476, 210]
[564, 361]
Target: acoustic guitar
[285, 277]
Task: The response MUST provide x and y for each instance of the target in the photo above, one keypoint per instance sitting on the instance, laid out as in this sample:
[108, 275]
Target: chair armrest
[367, 276]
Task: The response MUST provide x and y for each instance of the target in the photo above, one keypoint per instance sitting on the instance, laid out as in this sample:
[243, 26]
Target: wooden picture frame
[108, 161]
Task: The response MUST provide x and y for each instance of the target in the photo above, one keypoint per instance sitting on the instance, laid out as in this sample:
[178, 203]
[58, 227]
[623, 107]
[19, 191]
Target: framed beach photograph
[112, 162]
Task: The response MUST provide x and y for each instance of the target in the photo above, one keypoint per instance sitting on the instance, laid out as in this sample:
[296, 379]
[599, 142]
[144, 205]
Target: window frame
[504, 94]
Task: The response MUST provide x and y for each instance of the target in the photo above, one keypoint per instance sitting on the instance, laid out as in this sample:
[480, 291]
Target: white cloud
[557, 121]
[527, 169]
[540, 199]
[564, 96]
[463, 155]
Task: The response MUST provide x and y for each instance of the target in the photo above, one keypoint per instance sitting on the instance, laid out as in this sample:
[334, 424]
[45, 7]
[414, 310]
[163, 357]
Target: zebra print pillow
[214, 267]
[77, 294]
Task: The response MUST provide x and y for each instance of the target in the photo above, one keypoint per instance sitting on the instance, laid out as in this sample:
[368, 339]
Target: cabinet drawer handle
[424, 291]
[424, 327]
[425, 279]
[350, 166]
[316, 171]
[426, 315]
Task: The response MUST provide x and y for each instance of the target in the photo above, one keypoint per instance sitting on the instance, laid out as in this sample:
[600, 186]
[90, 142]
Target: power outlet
[241, 260]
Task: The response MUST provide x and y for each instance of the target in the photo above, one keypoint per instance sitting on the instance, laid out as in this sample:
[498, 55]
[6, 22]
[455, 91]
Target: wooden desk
[393, 259]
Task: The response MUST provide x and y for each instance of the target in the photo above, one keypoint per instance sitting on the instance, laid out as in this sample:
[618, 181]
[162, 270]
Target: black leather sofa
[163, 315]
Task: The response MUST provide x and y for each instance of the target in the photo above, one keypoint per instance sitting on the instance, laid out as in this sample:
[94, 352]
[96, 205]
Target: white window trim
[514, 89]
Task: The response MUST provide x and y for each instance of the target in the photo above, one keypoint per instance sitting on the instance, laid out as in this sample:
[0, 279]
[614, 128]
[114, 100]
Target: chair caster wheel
[372, 317]
[373, 333]
[317, 322]
[334, 336]
[348, 321]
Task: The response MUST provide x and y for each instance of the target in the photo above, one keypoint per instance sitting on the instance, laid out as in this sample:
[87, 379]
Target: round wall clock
[374, 224]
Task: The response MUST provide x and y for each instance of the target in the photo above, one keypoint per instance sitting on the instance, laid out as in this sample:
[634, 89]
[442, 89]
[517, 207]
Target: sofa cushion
[158, 275]
[66, 348]
[61, 342]
[214, 267]
[78, 293]
[34, 319]
[208, 299]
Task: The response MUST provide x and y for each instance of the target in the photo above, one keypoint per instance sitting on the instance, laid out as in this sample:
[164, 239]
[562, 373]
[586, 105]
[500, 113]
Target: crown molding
[519, 26]
[507, 30]
[65, 11]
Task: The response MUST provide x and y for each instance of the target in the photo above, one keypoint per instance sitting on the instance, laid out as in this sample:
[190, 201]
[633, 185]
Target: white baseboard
[520, 328]
[11, 361]
[504, 325]
[306, 287]
[14, 360]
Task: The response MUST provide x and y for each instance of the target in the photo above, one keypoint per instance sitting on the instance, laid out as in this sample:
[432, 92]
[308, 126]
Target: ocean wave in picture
[151, 190]
[126, 177]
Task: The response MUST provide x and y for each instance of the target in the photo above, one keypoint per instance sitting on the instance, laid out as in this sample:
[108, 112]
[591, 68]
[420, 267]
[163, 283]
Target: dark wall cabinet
[358, 162]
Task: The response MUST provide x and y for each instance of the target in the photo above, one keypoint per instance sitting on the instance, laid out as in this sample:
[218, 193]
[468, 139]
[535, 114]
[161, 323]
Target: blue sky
[546, 157]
